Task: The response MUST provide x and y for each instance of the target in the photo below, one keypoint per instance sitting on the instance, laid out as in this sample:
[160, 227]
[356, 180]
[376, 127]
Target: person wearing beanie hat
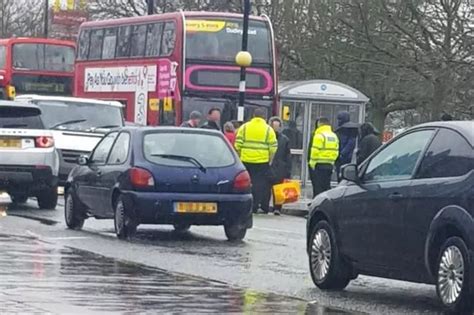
[194, 120]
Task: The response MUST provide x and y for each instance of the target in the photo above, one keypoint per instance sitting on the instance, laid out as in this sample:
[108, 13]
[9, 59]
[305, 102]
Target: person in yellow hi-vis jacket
[324, 151]
[256, 144]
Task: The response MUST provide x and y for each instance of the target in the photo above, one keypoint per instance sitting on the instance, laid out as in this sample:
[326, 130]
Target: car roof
[465, 127]
[33, 97]
[146, 129]
[18, 105]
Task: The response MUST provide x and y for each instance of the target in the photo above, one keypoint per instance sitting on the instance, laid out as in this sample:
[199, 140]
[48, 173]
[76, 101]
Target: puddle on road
[40, 276]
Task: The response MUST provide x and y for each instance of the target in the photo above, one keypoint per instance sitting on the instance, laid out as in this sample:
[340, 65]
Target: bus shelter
[302, 103]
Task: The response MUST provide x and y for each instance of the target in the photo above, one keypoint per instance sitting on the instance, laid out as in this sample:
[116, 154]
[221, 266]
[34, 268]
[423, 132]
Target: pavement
[271, 264]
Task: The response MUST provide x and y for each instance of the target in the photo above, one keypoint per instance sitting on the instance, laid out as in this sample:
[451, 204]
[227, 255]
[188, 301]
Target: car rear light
[44, 142]
[141, 178]
[242, 182]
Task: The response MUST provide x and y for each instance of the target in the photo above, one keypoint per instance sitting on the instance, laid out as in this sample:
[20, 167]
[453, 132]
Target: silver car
[29, 162]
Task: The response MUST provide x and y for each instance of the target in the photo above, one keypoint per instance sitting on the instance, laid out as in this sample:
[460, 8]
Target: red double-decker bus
[36, 66]
[162, 67]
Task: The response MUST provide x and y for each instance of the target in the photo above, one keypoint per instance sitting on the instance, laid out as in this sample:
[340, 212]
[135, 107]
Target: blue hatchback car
[164, 175]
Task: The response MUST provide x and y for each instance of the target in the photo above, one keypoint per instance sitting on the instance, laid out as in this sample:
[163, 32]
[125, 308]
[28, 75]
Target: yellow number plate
[196, 207]
[10, 143]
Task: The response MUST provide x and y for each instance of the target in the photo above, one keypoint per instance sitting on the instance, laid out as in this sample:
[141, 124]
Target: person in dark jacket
[213, 119]
[194, 120]
[294, 135]
[369, 142]
[347, 132]
[281, 164]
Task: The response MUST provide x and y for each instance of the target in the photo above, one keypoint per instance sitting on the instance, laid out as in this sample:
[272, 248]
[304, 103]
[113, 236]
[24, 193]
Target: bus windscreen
[221, 40]
[43, 57]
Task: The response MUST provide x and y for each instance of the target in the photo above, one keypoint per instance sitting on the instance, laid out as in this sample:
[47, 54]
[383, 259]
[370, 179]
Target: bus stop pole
[242, 85]
[150, 4]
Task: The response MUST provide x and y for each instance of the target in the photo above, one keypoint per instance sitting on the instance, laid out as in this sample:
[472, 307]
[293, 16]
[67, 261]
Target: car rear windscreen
[207, 149]
[20, 117]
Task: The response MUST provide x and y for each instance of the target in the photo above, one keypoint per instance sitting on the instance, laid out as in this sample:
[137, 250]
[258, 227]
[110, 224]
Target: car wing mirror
[349, 172]
[83, 160]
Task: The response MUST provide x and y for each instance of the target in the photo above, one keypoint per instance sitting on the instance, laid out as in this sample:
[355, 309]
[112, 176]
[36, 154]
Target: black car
[165, 175]
[406, 213]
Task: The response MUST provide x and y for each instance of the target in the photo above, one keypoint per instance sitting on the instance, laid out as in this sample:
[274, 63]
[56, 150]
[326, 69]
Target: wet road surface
[38, 277]
[271, 260]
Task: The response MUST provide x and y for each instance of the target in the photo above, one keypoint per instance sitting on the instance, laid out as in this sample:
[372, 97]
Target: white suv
[29, 163]
[77, 124]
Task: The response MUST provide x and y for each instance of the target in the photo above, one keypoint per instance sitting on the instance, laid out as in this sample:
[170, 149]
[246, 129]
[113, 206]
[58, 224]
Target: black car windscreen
[20, 118]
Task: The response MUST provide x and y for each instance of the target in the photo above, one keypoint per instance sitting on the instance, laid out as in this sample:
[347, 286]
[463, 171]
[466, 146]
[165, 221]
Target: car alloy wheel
[454, 272]
[321, 254]
[451, 275]
[328, 269]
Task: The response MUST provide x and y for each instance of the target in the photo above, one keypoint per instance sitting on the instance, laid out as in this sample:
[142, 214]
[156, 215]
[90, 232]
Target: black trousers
[261, 185]
[321, 178]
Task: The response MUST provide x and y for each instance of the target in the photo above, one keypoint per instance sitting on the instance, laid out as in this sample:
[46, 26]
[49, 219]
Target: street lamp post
[150, 4]
[46, 17]
[244, 60]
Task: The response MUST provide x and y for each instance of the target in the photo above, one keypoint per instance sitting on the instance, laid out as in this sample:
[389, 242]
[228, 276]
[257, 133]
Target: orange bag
[287, 192]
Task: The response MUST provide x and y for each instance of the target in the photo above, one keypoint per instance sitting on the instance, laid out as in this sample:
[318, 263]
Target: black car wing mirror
[83, 160]
[349, 172]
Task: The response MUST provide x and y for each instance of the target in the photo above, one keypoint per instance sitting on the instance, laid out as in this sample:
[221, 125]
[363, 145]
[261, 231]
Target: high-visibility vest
[256, 142]
[325, 148]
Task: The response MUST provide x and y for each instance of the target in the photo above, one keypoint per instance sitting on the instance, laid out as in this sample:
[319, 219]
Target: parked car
[165, 175]
[407, 213]
[29, 163]
[77, 124]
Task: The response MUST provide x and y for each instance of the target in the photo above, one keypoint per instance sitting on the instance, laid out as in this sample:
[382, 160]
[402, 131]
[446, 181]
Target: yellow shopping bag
[287, 192]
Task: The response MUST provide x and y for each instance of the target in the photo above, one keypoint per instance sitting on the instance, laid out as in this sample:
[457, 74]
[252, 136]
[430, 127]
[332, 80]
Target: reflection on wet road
[38, 277]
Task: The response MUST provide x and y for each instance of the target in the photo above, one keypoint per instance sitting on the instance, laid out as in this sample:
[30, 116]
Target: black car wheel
[125, 226]
[48, 198]
[453, 276]
[234, 232]
[19, 198]
[74, 212]
[328, 271]
[181, 228]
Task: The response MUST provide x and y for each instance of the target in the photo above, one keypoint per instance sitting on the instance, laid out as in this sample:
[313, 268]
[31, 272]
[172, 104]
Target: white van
[77, 124]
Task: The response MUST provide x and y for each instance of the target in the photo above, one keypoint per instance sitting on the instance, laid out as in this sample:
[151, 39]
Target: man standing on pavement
[194, 120]
[281, 164]
[347, 133]
[213, 119]
[324, 153]
[256, 144]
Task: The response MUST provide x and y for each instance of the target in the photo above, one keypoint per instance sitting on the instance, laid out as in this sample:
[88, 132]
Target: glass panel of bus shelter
[95, 51]
[138, 41]
[110, 41]
[153, 41]
[315, 113]
[354, 111]
[294, 127]
[327, 110]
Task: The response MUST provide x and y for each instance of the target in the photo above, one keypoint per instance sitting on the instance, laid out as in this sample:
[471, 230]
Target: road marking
[67, 238]
[277, 230]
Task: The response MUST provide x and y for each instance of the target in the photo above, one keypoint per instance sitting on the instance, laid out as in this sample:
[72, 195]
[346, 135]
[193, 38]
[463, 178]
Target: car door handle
[395, 196]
